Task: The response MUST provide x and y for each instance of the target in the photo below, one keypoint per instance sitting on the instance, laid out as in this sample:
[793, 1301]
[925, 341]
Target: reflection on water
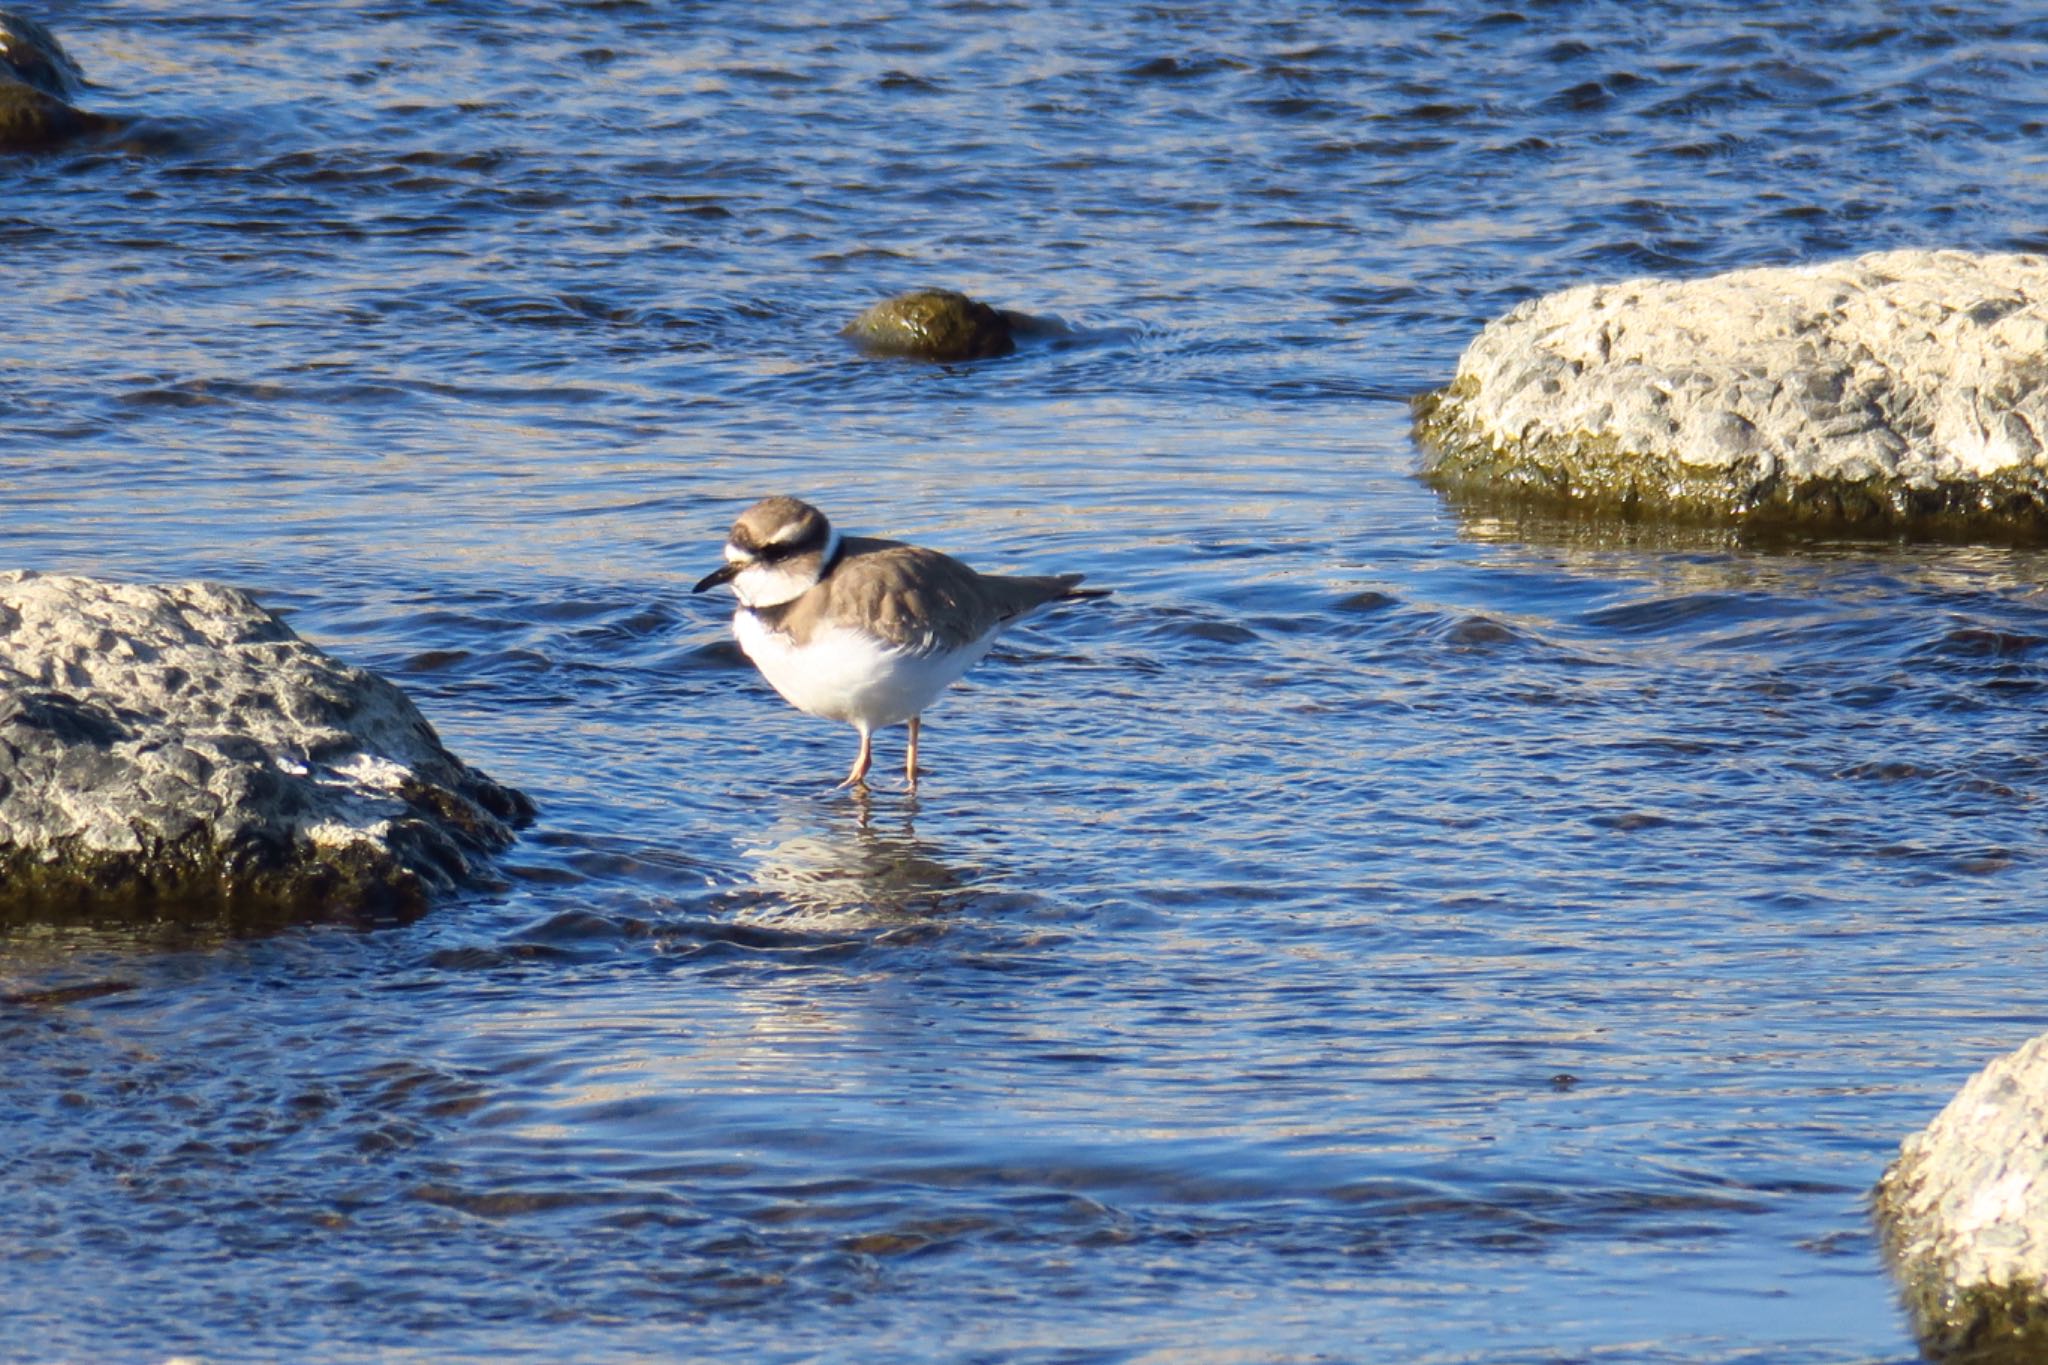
[854, 860]
[1495, 524]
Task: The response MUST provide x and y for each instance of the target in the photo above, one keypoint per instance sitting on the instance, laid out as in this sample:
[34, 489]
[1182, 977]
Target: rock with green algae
[38, 79]
[31, 54]
[1898, 390]
[33, 121]
[934, 324]
[1963, 1213]
[179, 753]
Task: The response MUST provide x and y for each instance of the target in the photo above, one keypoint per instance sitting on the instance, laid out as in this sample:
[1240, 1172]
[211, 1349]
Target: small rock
[934, 324]
[1903, 388]
[1964, 1216]
[33, 121]
[177, 752]
[32, 55]
[38, 79]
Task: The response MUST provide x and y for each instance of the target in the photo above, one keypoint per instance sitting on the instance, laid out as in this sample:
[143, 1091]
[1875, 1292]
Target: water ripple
[1375, 898]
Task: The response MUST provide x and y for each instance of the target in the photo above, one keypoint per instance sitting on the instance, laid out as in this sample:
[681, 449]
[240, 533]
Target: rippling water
[1382, 931]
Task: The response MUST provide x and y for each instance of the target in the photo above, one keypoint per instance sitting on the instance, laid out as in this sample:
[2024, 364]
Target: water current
[1383, 931]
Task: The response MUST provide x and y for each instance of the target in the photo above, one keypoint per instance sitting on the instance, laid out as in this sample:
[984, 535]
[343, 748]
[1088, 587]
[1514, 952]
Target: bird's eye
[802, 542]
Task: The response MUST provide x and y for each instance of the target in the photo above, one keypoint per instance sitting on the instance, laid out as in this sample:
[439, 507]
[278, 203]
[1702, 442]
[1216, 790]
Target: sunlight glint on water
[1382, 931]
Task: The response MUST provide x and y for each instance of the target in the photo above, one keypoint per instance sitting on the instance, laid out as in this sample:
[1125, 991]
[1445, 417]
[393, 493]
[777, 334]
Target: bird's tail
[1071, 591]
[1026, 594]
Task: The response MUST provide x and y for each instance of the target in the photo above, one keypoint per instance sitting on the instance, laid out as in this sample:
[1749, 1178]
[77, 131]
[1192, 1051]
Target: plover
[865, 631]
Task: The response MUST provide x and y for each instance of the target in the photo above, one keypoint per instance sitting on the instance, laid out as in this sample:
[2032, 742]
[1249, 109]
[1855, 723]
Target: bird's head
[778, 549]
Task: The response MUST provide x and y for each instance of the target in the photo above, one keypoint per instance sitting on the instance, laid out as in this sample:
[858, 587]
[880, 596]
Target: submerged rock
[33, 121]
[32, 55]
[1964, 1216]
[934, 324]
[1904, 389]
[37, 81]
[177, 752]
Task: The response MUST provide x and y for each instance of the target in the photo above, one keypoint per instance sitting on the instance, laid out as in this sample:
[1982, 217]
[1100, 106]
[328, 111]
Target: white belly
[851, 676]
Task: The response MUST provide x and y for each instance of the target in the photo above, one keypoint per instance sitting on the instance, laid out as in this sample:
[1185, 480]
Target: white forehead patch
[786, 533]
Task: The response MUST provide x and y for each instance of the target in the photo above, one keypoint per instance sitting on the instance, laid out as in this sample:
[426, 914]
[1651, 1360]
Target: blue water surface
[1383, 931]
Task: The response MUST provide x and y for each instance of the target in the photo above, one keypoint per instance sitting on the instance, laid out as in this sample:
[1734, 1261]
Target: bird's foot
[859, 776]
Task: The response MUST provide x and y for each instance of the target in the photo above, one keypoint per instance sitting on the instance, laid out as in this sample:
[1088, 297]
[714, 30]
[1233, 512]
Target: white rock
[1899, 387]
[1964, 1214]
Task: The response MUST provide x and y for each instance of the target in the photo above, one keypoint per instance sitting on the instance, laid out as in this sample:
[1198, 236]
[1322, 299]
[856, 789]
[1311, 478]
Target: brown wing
[920, 599]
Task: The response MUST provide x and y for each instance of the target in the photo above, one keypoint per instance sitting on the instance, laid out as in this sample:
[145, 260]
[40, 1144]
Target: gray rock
[1964, 1216]
[177, 752]
[934, 324]
[1902, 388]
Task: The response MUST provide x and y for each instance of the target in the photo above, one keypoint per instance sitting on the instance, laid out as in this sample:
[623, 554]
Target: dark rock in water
[37, 80]
[934, 324]
[178, 753]
[32, 55]
[1964, 1216]
[33, 121]
[1902, 389]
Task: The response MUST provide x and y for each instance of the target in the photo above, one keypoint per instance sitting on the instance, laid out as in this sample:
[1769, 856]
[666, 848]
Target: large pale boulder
[177, 752]
[1902, 388]
[1964, 1216]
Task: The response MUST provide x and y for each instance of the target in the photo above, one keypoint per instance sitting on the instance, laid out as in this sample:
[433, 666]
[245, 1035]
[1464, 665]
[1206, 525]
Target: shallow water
[1384, 930]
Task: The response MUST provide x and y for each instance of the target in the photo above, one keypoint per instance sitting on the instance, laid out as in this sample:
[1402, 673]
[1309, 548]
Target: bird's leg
[910, 758]
[859, 776]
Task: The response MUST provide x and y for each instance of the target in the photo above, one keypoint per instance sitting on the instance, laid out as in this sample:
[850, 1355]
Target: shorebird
[865, 631]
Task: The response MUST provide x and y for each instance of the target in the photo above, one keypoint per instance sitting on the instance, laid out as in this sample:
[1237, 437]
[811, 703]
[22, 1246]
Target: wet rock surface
[31, 120]
[1903, 389]
[934, 324]
[177, 752]
[31, 54]
[38, 79]
[1964, 1215]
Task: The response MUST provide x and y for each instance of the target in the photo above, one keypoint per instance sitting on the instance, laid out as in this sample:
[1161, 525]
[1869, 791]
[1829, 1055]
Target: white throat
[770, 585]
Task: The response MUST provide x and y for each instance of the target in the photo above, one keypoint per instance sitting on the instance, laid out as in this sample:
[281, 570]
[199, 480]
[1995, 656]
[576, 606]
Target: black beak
[724, 574]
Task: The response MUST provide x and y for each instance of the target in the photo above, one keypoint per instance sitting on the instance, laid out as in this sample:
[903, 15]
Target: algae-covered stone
[33, 121]
[177, 752]
[1964, 1216]
[37, 81]
[934, 324]
[1903, 389]
[32, 55]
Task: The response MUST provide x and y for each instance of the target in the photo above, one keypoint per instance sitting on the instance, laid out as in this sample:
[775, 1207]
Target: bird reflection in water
[855, 865]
